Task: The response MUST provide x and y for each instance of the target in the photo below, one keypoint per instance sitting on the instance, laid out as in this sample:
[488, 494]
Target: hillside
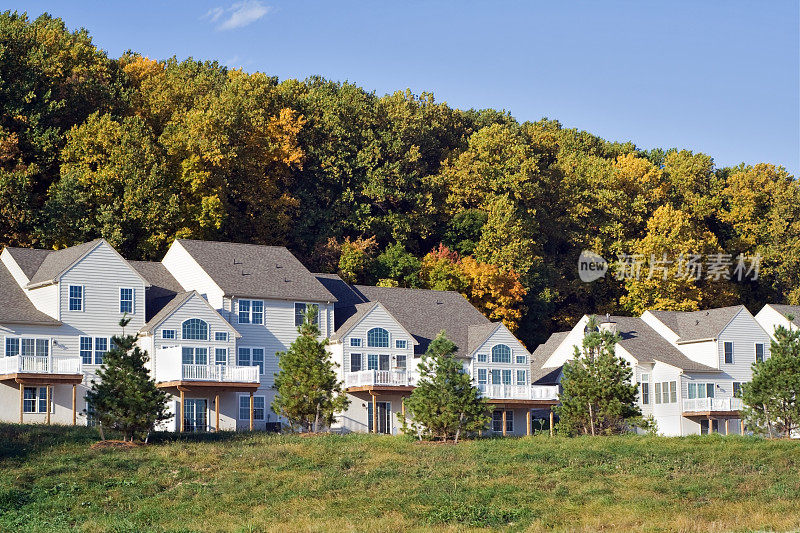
[51, 480]
[397, 189]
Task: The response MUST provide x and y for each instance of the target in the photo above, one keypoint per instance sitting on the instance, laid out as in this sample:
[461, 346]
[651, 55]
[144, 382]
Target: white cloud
[237, 15]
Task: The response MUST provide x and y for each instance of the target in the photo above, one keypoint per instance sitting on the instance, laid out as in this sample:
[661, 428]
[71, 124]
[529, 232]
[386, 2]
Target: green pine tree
[125, 397]
[308, 391]
[772, 398]
[597, 396]
[445, 404]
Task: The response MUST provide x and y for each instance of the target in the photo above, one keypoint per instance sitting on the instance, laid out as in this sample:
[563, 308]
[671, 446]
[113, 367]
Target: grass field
[51, 480]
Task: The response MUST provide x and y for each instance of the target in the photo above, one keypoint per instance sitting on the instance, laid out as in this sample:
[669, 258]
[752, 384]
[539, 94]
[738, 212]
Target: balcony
[542, 393]
[712, 405]
[170, 370]
[380, 378]
[41, 364]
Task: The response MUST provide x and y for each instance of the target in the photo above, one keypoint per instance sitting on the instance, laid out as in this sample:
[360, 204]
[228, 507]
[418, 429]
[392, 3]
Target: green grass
[51, 480]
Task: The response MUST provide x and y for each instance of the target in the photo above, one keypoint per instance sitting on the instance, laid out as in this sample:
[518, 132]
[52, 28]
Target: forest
[397, 190]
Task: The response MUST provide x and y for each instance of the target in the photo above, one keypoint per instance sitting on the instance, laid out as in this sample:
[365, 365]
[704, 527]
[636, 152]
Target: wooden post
[504, 420]
[74, 403]
[216, 409]
[21, 401]
[374, 413]
[528, 420]
[551, 423]
[251, 410]
[47, 396]
[403, 407]
[741, 426]
[726, 427]
[182, 410]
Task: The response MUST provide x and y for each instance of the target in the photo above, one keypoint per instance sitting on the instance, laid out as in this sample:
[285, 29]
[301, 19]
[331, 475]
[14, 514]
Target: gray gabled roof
[362, 310]
[15, 307]
[423, 313]
[58, 261]
[698, 325]
[478, 333]
[163, 287]
[647, 346]
[173, 305]
[28, 259]
[788, 310]
[546, 375]
[257, 271]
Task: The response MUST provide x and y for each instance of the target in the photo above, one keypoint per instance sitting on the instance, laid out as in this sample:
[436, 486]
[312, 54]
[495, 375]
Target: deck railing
[222, 373]
[712, 404]
[519, 392]
[384, 378]
[40, 364]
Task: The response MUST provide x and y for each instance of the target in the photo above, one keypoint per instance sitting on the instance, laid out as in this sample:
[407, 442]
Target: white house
[380, 334]
[689, 365]
[772, 316]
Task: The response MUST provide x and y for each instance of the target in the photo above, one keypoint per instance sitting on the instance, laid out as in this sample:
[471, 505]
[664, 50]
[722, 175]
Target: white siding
[744, 332]
[668, 415]
[190, 275]
[566, 350]
[769, 319]
[45, 299]
[378, 318]
[502, 336]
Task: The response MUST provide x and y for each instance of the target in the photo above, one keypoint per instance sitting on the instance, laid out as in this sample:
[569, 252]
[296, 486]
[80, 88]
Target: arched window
[501, 354]
[195, 329]
[378, 338]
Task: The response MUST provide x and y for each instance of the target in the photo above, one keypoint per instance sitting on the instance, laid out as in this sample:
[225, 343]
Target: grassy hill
[52, 480]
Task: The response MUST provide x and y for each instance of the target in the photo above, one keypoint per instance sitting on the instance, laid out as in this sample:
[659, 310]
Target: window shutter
[83, 298]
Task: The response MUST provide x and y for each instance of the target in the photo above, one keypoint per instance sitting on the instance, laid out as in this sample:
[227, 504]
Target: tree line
[397, 189]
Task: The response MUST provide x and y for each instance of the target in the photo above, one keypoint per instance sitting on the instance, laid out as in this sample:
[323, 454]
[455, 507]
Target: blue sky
[719, 77]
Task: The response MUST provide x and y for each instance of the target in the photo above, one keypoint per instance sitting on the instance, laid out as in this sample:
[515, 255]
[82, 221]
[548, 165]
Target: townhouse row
[213, 316]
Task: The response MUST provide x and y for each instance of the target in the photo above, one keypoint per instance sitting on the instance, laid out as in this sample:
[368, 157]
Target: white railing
[712, 404]
[40, 364]
[386, 378]
[223, 373]
[519, 392]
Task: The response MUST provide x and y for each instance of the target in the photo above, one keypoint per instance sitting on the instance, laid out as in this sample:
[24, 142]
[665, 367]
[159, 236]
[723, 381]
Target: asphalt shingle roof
[163, 287]
[256, 271]
[424, 313]
[167, 309]
[697, 325]
[15, 307]
[788, 310]
[546, 375]
[28, 259]
[57, 261]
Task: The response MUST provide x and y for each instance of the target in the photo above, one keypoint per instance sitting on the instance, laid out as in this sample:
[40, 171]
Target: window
[220, 356]
[522, 379]
[168, 333]
[100, 348]
[126, 300]
[355, 362]
[355, 342]
[507, 377]
[401, 361]
[673, 392]
[258, 359]
[658, 392]
[76, 297]
[728, 353]
[700, 390]
[501, 354]
[495, 375]
[35, 400]
[251, 312]
[378, 338]
[300, 314]
[400, 344]
[482, 357]
[482, 376]
[759, 353]
[665, 392]
[86, 350]
[12, 347]
[644, 388]
[195, 329]
[497, 421]
[194, 356]
[221, 336]
[372, 361]
[737, 389]
[27, 347]
[243, 357]
[521, 359]
[259, 407]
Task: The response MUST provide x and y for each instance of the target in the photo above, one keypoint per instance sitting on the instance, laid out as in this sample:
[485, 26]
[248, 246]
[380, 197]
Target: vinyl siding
[502, 336]
[378, 318]
[190, 275]
[744, 332]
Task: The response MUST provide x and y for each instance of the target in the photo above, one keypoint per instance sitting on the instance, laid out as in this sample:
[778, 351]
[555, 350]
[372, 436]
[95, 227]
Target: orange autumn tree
[495, 291]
